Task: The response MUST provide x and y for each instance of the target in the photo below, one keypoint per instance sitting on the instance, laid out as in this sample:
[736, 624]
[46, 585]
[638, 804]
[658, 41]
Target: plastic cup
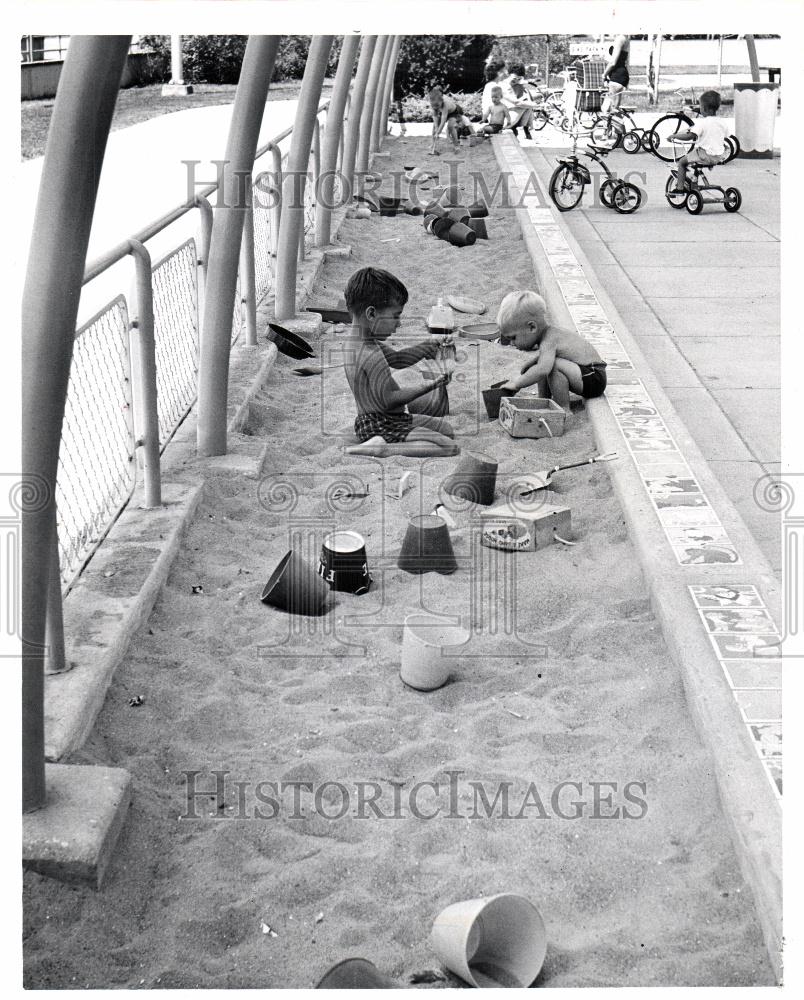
[354, 974]
[425, 640]
[458, 214]
[493, 942]
[427, 546]
[294, 586]
[460, 235]
[474, 478]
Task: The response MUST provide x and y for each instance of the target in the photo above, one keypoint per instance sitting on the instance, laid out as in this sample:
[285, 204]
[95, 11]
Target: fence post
[56, 662]
[202, 259]
[311, 187]
[248, 281]
[333, 136]
[367, 117]
[145, 374]
[294, 181]
[74, 153]
[276, 210]
[227, 234]
[379, 100]
[357, 101]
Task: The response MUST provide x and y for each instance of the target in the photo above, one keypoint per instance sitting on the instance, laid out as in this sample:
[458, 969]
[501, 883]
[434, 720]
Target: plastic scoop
[540, 480]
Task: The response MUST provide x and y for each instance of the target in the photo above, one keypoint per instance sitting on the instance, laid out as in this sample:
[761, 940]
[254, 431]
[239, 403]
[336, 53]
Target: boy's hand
[511, 384]
[444, 379]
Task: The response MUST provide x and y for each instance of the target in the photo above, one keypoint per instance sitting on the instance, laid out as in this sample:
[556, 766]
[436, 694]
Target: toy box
[518, 529]
[531, 417]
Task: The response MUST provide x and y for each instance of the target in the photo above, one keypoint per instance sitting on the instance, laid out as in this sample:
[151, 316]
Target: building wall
[40, 79]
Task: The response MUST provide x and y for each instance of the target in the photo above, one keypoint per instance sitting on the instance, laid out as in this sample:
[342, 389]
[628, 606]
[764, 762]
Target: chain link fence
[97, 467]
[175, 291]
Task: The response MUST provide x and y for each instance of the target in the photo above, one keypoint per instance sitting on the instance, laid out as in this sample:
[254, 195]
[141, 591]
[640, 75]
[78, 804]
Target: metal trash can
[755, 107]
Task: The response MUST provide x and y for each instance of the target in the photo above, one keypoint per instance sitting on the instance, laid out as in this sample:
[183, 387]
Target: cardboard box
[518, 529]
[532, 417]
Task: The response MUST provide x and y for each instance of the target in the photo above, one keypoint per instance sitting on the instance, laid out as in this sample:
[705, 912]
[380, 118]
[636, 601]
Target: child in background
[497, 116]
[447, 113]
[384, 426]
[709, 133]
[562, 359]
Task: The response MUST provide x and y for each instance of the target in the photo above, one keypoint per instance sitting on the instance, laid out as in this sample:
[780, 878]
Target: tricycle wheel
[732, 199]
[694, 203]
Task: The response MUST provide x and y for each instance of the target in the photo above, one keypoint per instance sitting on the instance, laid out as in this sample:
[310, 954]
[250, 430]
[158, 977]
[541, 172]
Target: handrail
[123, 249]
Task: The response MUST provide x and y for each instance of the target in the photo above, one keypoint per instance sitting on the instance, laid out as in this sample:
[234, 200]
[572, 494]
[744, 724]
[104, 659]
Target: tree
[454, 62]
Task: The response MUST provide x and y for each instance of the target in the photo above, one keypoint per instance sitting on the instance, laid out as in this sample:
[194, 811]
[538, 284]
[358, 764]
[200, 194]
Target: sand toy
[474, 478]
[465, 304]
[343, 563]
[355, 974]
[492, 942]
[493, 396]
[290, 344]
[427, 546]
[294, 586]
[541, 480]
[515, 528]
[426, 644]
[532, 417]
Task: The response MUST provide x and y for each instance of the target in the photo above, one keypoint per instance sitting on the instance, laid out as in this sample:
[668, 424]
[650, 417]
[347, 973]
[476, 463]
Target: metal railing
[134, 373]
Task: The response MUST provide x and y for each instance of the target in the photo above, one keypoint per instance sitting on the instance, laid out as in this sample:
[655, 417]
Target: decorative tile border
[741, 630]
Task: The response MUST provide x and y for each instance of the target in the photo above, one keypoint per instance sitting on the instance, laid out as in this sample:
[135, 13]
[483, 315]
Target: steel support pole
[379, 100]
[332, 138]
[367, 117]
[227, 235]
[176, 61]
[389, 87]
[352, 139]
[292, 219]
[311, 185]
[65, 205]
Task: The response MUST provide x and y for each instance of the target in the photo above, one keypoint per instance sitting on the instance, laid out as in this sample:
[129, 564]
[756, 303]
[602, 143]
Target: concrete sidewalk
[701, 295]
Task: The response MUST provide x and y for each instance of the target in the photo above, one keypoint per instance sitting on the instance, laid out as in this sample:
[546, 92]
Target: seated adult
[495, 73]
[517, 98]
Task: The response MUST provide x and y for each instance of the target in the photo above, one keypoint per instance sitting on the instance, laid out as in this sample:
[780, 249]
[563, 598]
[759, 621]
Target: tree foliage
[454, 62]
[218, 58]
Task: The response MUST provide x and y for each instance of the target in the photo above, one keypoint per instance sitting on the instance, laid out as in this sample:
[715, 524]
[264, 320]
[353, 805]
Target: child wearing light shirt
[709, 133]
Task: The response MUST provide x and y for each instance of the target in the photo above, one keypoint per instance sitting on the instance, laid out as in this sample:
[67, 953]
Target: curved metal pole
[389, 86]
[292, 219]
[332, 139]
[227, 235]
[352, 139]
[379, 101]
[367, 117]
[68, 188]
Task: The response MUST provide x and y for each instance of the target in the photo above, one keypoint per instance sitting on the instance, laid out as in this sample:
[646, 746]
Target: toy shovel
[307, 370]
[540, 480]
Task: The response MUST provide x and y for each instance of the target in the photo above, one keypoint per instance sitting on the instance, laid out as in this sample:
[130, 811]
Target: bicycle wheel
[606, 191]
[631, 142]
[664, 127]
[607, 132]
[677, 199]
[539, 120]
[587, 119]
[648, 139]
[626, 198]
[566, 187]
[733, 146]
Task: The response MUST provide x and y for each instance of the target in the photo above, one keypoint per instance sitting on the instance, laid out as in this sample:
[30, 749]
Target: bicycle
[699, 190]
[615, 127]
[678, 121]
[570, 178]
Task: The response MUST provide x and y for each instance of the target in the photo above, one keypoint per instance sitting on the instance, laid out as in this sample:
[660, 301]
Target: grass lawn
[138, 104]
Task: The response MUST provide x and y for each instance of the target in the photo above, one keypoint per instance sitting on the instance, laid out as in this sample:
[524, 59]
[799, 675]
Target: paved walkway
[702, 297]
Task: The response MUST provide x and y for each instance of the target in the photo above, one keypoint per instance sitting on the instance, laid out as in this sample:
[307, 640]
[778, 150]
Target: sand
[566, 678]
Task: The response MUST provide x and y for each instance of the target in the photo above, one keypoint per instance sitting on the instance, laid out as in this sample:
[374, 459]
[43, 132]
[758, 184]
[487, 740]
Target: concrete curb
[752, 810]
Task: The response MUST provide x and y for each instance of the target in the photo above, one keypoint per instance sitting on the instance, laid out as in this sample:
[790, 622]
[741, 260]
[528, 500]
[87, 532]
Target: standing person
[517, 99]
[495, 73]
[616, 73]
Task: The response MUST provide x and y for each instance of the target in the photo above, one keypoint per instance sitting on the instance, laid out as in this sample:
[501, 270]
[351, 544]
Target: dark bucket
[427, 546]
[478, 227]
[492, 397]
[461, 235]
[474, 479]
[343, 563]
[459, 214]
[479, 210]
[442, 227]
[294, 586]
